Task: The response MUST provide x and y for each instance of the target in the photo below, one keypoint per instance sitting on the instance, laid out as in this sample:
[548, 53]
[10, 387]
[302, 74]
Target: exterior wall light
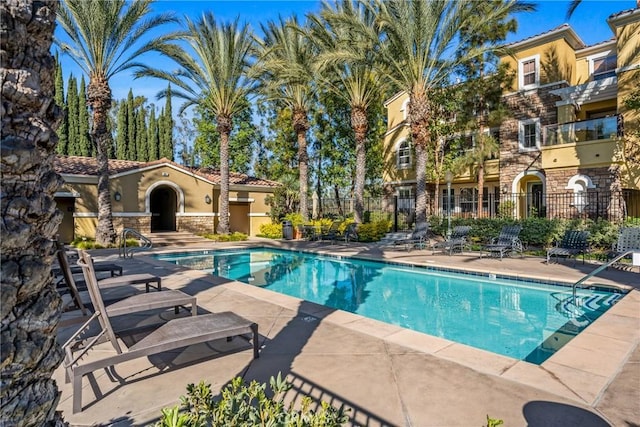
[207, 199]
[117, 196]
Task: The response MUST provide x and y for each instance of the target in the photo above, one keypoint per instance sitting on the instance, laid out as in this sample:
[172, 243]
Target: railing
[598, 270]
[125, 251]
[586, 130]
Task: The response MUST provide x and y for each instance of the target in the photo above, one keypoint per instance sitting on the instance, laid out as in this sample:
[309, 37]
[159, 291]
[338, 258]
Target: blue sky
[589, 22]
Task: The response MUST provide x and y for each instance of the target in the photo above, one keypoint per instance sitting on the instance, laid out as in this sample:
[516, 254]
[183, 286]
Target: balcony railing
[586, 130]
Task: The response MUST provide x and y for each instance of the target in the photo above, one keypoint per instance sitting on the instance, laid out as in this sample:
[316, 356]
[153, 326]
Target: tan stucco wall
[134, 189]
[585, 154]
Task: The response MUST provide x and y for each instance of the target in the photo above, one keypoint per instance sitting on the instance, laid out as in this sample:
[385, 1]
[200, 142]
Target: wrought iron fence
[613, 206]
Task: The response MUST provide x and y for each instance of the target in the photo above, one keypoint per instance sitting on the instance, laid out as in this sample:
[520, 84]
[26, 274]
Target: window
[404, 154]
[603, 67]
[529, 135]
[580, 184]
[529, 72]
[405, 109]
[406, 199]
[468, 200]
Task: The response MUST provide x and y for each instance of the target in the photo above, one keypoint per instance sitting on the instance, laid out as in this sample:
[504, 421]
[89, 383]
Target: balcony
[586, 130]
[589, 143]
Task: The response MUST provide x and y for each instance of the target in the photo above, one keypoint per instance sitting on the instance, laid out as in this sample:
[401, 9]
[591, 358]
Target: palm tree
[346, 37]
[285, 70]
[419, 37]
[105, 38]
[213, 77]
[30, 307]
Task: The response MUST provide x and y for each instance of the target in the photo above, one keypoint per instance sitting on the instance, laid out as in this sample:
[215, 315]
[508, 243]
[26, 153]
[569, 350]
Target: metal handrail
[124, 251]
[598, 270]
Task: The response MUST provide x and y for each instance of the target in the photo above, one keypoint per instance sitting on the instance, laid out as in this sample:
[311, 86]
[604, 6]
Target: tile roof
[78, 165]
[559, 28]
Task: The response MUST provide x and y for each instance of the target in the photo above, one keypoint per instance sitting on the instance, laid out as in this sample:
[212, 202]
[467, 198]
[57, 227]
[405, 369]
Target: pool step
[177, 238]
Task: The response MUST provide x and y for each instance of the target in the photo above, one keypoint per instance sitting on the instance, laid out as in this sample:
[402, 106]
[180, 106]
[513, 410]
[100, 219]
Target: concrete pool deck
[387, 375]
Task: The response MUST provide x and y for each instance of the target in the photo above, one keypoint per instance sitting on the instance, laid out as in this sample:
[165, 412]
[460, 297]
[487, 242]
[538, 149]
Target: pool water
[523, 320]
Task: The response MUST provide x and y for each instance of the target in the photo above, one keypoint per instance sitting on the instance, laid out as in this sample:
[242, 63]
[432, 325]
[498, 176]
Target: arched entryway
[163, 204]
[531, 188]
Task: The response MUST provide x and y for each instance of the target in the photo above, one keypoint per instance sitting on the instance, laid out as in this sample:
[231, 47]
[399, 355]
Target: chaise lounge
[174, 334]
[456, 242]
[573, 243]
[506, 243]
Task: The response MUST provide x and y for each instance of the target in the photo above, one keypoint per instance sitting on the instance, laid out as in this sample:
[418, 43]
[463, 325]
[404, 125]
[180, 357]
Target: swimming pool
[524, 320]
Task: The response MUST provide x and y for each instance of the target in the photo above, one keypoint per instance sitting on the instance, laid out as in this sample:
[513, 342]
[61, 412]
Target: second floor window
[529, 72]
[529, 135]
[604, 67]
[404, 155]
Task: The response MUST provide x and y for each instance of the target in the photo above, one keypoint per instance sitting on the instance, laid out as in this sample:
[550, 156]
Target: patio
[387, 375]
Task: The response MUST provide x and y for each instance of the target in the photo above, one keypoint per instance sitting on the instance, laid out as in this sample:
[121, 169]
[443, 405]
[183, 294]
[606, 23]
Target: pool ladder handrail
[598, 270]
[124, 251]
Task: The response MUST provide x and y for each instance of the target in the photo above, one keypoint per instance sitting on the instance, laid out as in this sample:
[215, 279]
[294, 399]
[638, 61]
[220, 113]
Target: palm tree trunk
[29, 304]
[480, 188]
[99, 99]
[419, 124]
[301, 125]
[224, 127]
[360, 126]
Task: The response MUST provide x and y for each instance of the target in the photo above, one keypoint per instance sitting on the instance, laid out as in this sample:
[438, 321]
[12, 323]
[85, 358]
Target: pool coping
[581, 370]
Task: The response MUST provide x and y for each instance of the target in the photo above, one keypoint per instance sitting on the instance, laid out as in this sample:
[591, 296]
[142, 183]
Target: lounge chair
[112, 269]
[174, 334]
[418, 238]
[628, 239]
[456, 242]
[332, 233]
[351, 232]
[573, 243]
[506, 243]
[128, 279]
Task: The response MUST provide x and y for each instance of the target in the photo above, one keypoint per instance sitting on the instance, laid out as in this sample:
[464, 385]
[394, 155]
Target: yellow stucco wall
[584, 154]
[136, 187]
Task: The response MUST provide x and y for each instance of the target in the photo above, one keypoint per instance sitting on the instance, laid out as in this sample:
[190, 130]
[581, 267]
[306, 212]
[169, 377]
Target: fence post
[395, 214]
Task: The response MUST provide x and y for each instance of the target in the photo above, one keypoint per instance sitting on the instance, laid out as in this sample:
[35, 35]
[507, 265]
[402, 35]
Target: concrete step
[177, 238]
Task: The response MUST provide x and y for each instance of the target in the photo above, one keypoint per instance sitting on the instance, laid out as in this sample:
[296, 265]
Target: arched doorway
[531, 189]
[163, 204]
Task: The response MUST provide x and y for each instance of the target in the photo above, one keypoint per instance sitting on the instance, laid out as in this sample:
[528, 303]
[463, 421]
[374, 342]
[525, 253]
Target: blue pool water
[524, 320]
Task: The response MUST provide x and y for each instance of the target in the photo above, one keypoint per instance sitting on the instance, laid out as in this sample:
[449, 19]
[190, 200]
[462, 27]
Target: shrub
[86, 243]
[295, 218]
[373, 231]
[236, 236]
[271, 231]
[248, 405]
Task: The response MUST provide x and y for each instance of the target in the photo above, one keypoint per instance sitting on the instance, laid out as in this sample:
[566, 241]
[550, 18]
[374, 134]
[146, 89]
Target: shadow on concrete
[554, 414]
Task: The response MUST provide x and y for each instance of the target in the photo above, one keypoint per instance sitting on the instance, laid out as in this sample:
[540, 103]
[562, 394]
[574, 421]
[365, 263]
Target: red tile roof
[77, 165]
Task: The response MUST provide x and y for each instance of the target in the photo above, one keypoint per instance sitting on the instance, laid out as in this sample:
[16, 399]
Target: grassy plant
[248, 405]
[233, 237]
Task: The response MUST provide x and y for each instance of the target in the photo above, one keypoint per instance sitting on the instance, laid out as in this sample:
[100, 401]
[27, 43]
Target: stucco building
[569, 139]
[157, 196]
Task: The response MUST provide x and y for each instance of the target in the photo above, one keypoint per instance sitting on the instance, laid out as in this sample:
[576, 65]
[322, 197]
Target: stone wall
[534, 104]
[139, 223]
[196, 224]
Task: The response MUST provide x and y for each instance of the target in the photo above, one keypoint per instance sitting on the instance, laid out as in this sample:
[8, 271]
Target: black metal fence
[612, 206]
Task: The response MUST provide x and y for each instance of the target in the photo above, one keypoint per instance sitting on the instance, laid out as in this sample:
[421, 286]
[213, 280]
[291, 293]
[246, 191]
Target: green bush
[295, 218]
[236, 236]
[271, 231]
[248, 405]
[373, 231]
[86, 243]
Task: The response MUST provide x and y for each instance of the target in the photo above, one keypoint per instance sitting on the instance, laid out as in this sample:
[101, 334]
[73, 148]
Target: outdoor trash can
[287, 230]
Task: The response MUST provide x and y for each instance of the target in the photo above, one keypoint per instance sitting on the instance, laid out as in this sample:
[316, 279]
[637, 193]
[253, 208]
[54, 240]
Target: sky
[588, 21]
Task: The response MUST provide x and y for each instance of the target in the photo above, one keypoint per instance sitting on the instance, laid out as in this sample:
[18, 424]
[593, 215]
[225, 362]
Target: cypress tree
[84, 141]
[141, 135]
[63, 128]
[153, 138]
[121, 131]
[131, 127]
[166, 137]
[73, 148]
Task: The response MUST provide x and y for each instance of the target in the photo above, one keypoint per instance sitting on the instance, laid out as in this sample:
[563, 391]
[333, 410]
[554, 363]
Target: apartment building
[569, 146]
